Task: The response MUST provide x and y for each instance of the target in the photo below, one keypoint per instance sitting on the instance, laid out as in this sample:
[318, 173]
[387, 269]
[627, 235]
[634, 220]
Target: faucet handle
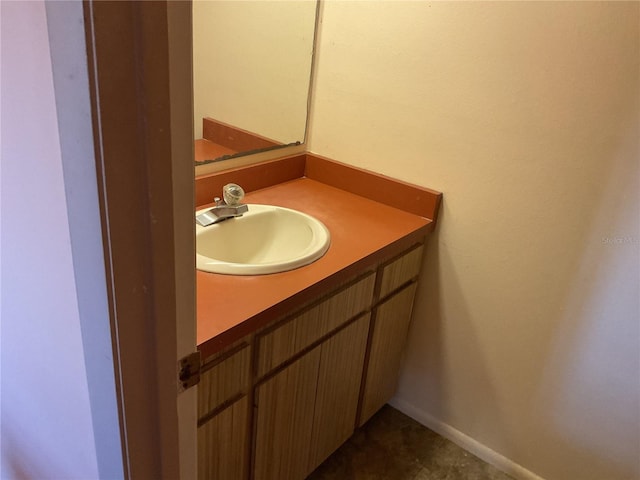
[232, 193]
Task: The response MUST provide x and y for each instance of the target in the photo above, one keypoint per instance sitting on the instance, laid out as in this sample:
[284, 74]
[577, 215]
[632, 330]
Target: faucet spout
[220, 213]
[225, 209]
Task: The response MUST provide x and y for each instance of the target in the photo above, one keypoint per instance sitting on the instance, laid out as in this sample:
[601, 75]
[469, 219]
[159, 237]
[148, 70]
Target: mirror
[252, 62]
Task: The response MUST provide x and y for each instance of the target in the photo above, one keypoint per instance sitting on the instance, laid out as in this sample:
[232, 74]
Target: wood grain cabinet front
[223, 444]
[339, 378]
[278, 344]
[307, 410]
[400, 271]
[223, 414]
[284, 420]
[388, 339]
[224, 379]
[275, 405]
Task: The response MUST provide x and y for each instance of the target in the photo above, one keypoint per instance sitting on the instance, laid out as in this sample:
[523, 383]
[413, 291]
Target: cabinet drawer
[401, 271]
[280, 344]
[224, 380]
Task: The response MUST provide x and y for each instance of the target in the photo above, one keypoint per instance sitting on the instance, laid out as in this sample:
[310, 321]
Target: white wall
[55, 423]
[525, 340]
[251, 65]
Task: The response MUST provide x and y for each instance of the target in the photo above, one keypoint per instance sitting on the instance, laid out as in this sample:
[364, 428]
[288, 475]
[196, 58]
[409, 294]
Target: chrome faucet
[228, 207]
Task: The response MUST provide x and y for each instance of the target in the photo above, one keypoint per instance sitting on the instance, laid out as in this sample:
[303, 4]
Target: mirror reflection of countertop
[363, 232]
[206, 150]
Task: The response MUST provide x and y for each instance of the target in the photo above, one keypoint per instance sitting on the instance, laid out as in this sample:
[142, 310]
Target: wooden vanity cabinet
[276, 405]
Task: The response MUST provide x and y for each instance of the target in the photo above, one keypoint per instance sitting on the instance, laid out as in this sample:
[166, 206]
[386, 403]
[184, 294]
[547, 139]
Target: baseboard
[469, 444]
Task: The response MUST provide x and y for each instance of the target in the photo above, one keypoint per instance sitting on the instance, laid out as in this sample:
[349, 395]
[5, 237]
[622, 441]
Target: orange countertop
[363, 231]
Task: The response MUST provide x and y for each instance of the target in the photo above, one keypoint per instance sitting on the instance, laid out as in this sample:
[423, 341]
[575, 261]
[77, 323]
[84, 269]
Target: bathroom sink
[266, 239]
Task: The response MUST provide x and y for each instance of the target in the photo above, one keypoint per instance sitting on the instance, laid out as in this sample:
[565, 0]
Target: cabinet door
[223, 444]
[389, 336]
[341, 362]
[284, 420]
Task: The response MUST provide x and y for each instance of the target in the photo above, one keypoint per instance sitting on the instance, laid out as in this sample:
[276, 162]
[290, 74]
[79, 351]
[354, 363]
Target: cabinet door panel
[339, 381]
[223, 444]
[389, 336]
[284, 420]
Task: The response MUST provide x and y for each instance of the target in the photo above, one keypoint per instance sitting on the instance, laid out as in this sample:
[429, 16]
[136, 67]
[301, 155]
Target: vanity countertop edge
[364, 231]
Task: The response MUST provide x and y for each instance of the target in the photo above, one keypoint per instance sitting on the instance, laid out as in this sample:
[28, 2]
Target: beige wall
[251, 65]
[525, 340]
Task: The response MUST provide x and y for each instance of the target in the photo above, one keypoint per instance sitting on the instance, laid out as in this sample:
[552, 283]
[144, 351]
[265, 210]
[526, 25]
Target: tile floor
[392, 446]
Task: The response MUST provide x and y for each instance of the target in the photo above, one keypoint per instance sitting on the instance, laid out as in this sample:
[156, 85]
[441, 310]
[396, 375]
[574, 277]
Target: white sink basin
[267, 239]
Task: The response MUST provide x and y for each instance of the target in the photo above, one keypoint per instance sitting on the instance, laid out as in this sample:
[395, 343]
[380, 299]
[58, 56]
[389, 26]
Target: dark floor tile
[470, 467]
[392, 446]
